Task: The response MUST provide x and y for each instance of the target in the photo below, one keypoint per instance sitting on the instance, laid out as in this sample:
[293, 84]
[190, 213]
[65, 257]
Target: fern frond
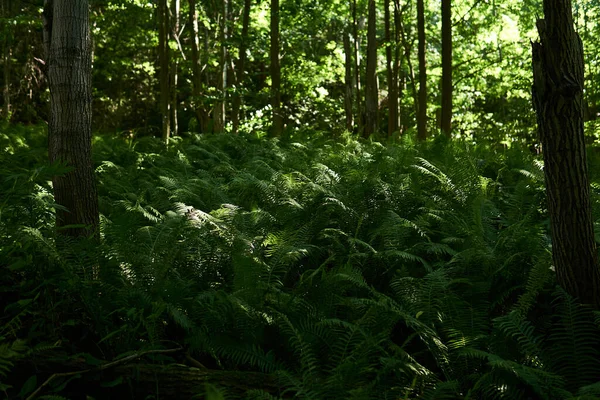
[573, 342]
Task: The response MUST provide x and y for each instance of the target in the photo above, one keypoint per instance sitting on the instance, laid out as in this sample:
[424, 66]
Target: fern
[573, 342]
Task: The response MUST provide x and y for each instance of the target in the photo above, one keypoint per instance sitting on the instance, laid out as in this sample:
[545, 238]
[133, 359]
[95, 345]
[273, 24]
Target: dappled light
[299, 199]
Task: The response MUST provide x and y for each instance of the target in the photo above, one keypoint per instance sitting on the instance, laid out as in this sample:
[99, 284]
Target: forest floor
[237, 267]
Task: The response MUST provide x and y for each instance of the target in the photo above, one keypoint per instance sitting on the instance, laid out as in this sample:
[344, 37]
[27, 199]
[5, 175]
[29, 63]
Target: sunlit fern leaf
[360, 246]
[505, 373]
[288, 247]
[438, 249]
[428, 335]
[448, 390]
[251, 190]
[395, 229]
[535, 173]
[431, 170]
[399, 255]
[214, 392]
[406, 289]
[325, 175]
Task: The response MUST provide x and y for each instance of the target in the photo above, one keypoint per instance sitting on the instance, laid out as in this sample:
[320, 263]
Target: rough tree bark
[277, 127]
[422, 108]
[371, 90]
[69, 61]
[163, 61]
[241, 68]
[446, 123]
[557, 97]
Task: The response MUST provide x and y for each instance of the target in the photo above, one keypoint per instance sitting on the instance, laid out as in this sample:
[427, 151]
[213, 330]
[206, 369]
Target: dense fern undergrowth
[235, 267]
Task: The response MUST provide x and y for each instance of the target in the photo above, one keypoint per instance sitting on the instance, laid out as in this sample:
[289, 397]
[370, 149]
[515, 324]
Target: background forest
[299, 199]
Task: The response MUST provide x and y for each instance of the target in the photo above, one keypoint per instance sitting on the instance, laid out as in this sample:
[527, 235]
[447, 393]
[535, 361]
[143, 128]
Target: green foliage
[339, 268]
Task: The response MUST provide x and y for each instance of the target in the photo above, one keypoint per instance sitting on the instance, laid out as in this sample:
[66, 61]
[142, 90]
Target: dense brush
[342, 269]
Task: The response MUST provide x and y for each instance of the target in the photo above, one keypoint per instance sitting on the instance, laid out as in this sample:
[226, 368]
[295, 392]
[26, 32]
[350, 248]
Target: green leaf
[29, 386]
[113, 383]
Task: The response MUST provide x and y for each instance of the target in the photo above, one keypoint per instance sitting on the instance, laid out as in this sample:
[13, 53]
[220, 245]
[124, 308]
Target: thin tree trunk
[7, 60]
[356, 24]
[590, 112]
[277, 127]
[206, 54]
[398, 63]
[446, 123]
[196, 68]
[411, 71]
[422, 108]
[163, 60]
[6, 108]
[241, 68]
[220, 105]
[558, 75]
[348, 95]
[391, 73]
[371, 91]
[174, 71]
[207, 82]
[68, 58]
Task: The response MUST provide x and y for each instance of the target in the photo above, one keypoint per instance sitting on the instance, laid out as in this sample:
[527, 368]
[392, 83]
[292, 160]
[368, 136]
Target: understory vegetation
[309, 269]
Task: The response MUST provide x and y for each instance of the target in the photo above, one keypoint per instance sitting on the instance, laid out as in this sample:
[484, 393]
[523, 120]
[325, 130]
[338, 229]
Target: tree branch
[108, 365]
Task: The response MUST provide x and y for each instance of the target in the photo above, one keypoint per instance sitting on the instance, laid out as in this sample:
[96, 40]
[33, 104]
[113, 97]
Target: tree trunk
[356, 25]
[7, 61]
[220, 105]
[391, 73]
[446, 123]
[7, 64]
[196, 68]
[371, 92]
[398, 63]
[348, 95]
[422, 108]
[557, 97]
[174, 71]
[163, 60]
[277, 127]
[407, 53]
[68, 58]
[241, 68]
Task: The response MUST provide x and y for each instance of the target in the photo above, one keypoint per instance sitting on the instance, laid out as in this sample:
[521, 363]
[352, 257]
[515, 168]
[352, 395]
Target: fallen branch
[178, 382]
[102, 367]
